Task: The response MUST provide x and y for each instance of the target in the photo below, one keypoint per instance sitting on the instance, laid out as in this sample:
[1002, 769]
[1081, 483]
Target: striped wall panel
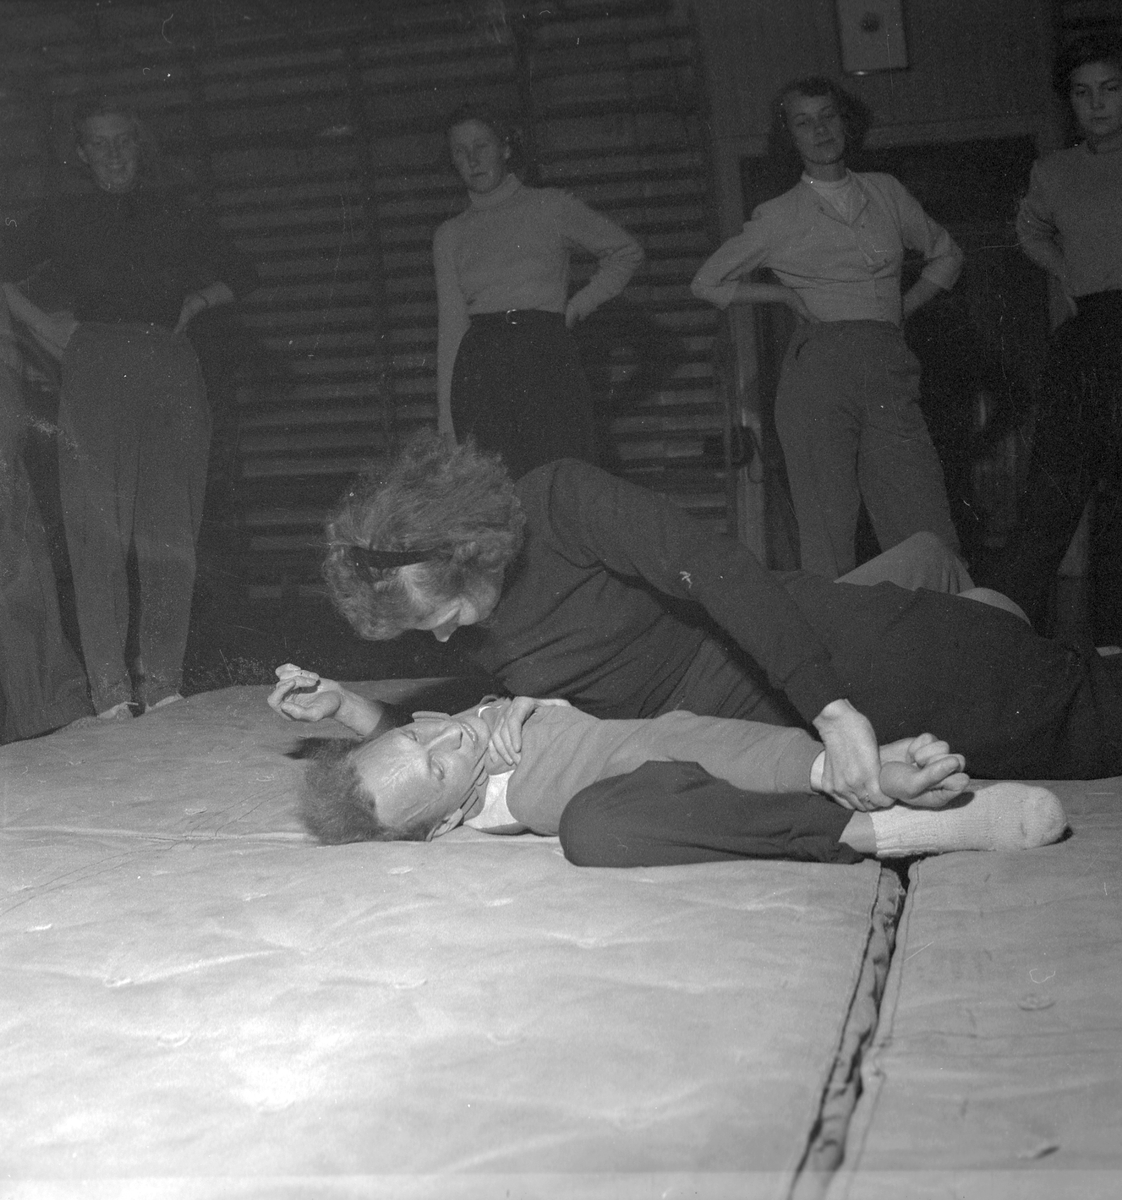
[314, 131]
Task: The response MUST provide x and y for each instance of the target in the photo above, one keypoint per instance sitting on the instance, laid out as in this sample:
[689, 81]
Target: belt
[1095, 303]
[518, 316]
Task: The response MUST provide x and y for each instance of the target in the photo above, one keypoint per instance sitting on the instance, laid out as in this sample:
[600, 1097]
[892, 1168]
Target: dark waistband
[128, 329]
[1095, 303]
[518, 316]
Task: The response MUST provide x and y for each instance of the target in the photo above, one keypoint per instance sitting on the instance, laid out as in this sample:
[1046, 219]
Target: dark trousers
[1017, 705]
[668, 813]
[518, 389]
[1077, 449]
[135, 430]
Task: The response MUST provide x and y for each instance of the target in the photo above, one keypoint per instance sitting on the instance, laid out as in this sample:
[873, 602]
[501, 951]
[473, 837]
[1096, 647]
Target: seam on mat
[827, 1145]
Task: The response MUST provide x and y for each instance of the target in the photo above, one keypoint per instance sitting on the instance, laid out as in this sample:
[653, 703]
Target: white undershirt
[840, 194]
[495, 816]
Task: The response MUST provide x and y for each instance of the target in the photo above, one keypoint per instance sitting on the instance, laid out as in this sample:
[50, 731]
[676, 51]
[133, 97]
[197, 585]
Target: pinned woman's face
[478, 155]
[427, 772]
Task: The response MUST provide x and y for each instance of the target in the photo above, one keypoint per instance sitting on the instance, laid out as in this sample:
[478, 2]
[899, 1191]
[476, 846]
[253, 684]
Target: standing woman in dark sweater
[1070, 224]
[507, 370]
[137, 264]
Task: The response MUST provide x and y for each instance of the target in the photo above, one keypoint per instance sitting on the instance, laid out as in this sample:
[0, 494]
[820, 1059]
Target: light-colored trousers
[134, 436]
[848, 417]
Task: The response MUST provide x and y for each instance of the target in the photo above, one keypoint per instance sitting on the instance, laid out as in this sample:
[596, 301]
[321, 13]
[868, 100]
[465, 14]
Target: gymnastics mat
[197, 1000]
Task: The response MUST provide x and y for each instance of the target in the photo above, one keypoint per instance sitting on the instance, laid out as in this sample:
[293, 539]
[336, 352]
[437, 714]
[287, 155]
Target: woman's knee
[586, 831]
[995, 599]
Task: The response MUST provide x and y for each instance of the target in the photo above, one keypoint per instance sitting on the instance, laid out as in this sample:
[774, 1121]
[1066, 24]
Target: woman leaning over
[507, 369]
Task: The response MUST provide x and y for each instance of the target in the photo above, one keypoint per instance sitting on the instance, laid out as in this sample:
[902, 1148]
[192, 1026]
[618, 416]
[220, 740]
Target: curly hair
[336, 808]
[1089, 48]
[456, 504]
[855, 116]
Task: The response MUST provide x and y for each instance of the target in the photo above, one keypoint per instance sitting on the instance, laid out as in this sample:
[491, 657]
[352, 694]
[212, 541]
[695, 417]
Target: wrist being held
[851, 762]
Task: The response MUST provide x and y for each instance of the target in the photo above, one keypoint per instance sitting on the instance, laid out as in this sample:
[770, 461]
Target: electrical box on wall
[872, 35]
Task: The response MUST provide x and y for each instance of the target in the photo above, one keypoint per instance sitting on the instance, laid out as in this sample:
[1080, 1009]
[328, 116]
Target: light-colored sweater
[1074, 203]
[564, 750]
[510, 250]
[845, 268]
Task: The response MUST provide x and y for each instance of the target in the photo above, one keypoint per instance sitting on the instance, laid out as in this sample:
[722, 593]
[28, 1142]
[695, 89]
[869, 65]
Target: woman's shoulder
[888, 187]
[1068, 166]
[552, 199]
[448, 232]
[786, 206]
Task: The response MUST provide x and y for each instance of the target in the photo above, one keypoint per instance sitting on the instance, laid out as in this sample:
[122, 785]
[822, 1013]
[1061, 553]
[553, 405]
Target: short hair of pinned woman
[855, 116]
[457, 504]
[498, 123]
[1090, 48]
[335, 807]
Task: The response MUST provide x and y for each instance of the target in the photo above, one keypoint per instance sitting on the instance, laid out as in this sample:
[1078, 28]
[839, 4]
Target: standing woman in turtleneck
[507, 369]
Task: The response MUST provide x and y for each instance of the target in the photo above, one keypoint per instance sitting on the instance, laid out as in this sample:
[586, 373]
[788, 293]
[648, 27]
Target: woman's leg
[994, 816]
[1075, 440]
[671, 814]
[665, 813]
[818, 427]
[518, 389]
[171, 482]
[922, 560]
[901, 478]
[98, 431]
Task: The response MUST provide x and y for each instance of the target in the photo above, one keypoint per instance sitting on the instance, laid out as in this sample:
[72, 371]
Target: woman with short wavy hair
[847, 404]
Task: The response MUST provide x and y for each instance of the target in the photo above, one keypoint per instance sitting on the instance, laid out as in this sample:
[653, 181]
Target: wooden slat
[315, 129]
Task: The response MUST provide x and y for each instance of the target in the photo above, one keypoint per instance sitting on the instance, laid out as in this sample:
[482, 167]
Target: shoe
[119, 712]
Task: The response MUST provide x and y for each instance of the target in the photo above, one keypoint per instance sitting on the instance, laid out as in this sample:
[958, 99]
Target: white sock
[998, 816]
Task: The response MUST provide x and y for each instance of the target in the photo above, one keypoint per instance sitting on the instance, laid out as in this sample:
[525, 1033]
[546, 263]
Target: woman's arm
[1037, 232]
[214, 295]
[722, 278]
[220, 274]
[305, 696]
[619, 254]
[598, 519]
[919, 771]
[451, 325]
[942, 256]
[51, 330]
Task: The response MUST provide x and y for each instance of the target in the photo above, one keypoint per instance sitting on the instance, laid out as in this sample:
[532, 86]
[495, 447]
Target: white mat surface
[996, 1072]
[195, 1000]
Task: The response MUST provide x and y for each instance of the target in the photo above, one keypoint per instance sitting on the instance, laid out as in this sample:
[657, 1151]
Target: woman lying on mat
[575, 584]
[675, 789]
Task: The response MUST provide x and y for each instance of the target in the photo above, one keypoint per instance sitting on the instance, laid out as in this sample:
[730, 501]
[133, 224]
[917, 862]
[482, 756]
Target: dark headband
[381, 560]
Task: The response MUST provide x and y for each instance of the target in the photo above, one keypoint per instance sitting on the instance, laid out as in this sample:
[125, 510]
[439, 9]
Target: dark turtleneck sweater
[125, 258]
